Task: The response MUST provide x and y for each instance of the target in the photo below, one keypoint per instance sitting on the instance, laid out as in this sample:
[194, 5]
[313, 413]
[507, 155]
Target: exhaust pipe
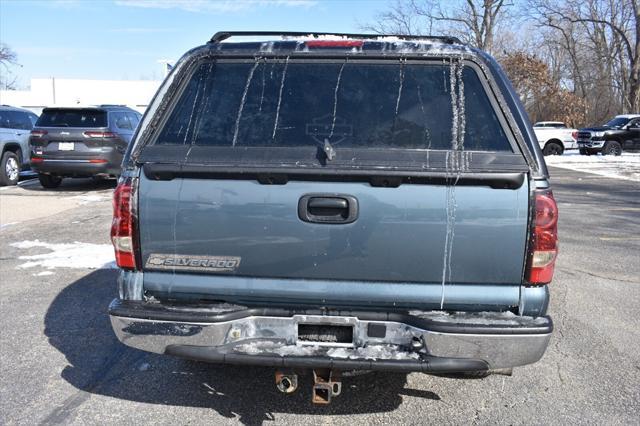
[286, 383]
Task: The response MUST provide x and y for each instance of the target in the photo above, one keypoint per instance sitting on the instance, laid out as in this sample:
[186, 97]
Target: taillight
[333, 43]
[38, 133]
[90, 134]
[123, 224]
[544, 240]
[574, 135]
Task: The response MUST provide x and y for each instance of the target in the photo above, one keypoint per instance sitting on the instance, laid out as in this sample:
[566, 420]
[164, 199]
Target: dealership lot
[61, 362]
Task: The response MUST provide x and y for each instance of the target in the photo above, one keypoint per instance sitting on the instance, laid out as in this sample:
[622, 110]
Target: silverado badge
[193, 263]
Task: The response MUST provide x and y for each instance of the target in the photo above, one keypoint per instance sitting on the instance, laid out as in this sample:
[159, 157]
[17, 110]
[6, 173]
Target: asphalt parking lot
[61, 363]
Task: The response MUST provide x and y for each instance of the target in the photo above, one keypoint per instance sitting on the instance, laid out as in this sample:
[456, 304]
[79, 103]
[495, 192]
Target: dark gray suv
[81, 142]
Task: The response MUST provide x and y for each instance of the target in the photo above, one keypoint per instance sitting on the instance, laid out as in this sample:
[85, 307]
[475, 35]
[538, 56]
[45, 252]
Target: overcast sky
[124, 39]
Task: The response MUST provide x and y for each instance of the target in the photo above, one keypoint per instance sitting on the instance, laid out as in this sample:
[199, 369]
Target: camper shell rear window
[370, 113]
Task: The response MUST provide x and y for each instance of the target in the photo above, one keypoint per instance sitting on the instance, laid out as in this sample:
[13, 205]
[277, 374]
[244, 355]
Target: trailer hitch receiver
[326, 384]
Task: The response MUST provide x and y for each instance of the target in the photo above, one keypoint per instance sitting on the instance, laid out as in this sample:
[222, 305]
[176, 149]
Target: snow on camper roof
[303, 36]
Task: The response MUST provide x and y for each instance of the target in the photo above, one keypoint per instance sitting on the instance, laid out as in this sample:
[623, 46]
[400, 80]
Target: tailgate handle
[328, 203]
[328, 208]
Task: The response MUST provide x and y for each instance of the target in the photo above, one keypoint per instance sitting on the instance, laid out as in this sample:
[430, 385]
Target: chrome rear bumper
[417, 341]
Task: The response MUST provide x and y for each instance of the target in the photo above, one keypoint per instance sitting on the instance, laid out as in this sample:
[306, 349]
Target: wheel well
[612, 140]
[12, 147]
[556, 141]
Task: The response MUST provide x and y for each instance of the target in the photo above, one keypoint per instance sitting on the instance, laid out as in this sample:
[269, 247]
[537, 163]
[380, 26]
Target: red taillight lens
[38, 133]
[37, 159]
[97, 161]
[544, 241]
[574, 135]
[122, 226]
[333, 43]
[90, 134]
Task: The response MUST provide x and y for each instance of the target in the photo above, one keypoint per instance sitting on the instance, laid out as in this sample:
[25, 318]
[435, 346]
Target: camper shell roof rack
[224, 35]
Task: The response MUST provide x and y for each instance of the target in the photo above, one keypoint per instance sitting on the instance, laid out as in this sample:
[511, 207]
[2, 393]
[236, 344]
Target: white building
[46, 92]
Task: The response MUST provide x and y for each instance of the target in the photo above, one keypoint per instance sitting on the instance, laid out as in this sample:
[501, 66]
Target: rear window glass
[350, 105]
[72, 118]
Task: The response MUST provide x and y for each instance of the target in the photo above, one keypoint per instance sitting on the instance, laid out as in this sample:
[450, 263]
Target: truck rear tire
[612, 148]
[49, 181]
[9, 169]
[553, 148]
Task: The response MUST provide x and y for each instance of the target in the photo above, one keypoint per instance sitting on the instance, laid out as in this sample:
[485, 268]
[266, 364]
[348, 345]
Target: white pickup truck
[555, 137]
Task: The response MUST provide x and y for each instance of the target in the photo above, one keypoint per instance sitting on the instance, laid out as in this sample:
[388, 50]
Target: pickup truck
[622, 133]
[555, 137]
[336, 202]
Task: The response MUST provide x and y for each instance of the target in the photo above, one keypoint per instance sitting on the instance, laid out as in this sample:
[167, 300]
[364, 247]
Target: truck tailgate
[426, 234]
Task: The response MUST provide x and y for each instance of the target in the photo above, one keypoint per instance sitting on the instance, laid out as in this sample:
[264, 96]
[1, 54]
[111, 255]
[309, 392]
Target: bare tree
[400, 18]
[610, 31]
[590, 49]
[474, 21]
[7, 58]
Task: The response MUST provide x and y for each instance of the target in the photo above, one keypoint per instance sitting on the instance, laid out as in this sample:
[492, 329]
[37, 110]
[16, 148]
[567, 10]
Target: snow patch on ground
[626, 166]
[72, 255]
[92, 198]
[43, 274]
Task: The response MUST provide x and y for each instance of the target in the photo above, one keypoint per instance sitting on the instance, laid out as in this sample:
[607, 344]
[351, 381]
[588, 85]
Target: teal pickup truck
[336, 202]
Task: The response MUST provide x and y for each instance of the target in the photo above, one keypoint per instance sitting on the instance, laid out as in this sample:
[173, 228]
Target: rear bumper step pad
[427, 364]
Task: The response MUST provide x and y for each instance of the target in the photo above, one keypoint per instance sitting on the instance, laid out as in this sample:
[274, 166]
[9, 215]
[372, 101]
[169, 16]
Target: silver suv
[15, 125]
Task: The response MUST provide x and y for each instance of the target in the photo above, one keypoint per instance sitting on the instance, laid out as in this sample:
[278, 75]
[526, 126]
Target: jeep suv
[622, 133]
[81, 142]
[15, 125]
[336, 202]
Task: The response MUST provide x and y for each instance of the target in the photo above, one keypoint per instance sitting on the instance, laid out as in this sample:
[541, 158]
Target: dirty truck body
[353, 202]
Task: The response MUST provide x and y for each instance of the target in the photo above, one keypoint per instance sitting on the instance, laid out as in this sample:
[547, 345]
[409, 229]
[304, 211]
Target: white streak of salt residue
[444, 75]
[68, 255]
[461, 110]
[450, 213]
[284, 74]
[335, 100]
[454, 105]
[402, 63]
[264, 82]
[427, 133]
[455, 159]
[243, 99]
